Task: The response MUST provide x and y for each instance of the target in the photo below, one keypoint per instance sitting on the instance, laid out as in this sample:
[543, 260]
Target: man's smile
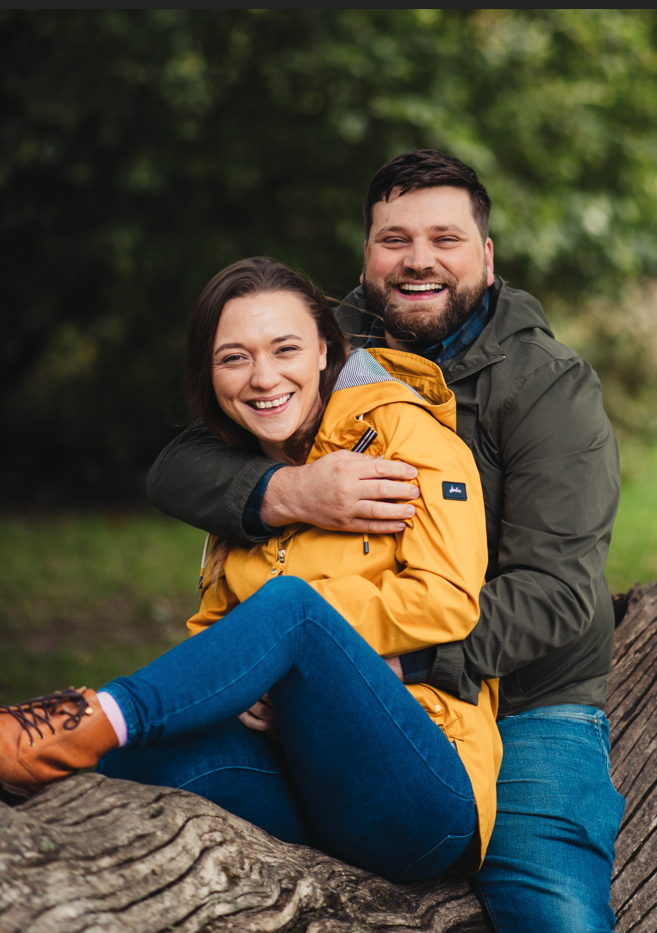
[419, 291]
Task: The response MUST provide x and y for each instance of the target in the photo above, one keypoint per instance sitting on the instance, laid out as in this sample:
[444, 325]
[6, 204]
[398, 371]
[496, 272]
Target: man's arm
[205, 483]
[561, 492]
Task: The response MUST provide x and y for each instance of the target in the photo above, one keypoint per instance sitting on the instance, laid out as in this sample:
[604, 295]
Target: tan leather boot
[50, 738]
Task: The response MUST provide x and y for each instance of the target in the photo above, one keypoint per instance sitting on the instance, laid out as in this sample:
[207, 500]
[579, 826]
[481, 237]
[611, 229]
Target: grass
[86, 597]
[633, 552]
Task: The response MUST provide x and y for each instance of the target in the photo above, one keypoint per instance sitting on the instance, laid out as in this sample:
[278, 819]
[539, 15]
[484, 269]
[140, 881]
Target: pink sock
[113, 712]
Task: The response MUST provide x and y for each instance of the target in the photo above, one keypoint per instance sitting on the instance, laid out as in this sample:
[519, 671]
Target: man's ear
[362, 275]
[490, 265]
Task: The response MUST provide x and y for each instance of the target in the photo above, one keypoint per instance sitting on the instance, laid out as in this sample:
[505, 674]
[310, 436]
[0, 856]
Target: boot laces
[38, 713]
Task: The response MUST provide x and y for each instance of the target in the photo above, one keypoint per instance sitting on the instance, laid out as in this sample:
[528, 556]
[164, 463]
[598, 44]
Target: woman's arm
[205, 483]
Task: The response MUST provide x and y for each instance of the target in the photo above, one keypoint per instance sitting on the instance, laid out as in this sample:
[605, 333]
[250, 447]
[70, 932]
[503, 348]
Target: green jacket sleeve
[558, 499]
[205, 483]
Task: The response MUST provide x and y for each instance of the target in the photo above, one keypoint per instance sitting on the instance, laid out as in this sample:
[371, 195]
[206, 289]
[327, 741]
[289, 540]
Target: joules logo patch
[454, 491]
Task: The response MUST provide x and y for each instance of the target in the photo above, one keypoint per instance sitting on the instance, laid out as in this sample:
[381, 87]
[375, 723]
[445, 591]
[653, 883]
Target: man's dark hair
[427, 168]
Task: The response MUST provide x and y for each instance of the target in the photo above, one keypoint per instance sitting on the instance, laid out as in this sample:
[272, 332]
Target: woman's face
[266, 364]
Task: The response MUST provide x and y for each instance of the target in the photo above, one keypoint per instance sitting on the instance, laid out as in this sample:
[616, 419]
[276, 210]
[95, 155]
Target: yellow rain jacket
[400, 592]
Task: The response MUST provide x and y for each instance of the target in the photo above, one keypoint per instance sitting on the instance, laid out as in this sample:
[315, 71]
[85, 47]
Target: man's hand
[343, 491]
[260, 716]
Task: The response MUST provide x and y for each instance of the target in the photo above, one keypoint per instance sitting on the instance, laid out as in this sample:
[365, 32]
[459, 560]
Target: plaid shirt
[440, 352]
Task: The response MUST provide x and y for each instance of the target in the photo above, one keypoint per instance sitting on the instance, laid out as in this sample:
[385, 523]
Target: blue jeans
[549, 862]
[363, 772]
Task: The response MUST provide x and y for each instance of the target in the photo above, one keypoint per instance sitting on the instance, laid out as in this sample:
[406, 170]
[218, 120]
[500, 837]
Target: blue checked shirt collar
[448, 348]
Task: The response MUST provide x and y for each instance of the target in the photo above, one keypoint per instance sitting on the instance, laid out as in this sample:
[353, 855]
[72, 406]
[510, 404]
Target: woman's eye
[286, 349]
[233, 358]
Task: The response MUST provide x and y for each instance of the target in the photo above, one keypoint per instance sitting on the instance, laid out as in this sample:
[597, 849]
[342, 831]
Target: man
[531, 411]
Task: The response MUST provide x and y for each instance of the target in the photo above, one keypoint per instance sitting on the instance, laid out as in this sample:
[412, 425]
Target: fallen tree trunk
[106, 856]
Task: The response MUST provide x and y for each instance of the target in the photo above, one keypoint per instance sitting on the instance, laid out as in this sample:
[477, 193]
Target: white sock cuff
[113, 712]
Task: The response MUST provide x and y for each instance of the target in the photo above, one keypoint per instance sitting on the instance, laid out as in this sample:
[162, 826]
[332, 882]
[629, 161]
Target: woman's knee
[293, 597]
[287, 589]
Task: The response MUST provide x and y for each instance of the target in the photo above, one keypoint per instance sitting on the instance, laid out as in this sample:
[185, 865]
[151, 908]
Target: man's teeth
[429, 287]
[274, 402]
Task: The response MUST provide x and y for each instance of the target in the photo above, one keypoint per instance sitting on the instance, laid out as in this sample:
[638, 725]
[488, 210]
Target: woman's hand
[260, 716]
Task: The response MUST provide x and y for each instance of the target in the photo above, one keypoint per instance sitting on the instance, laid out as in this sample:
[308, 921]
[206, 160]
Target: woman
[397, 780]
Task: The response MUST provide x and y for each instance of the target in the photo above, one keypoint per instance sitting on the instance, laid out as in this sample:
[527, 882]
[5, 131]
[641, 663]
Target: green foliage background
[143, 150]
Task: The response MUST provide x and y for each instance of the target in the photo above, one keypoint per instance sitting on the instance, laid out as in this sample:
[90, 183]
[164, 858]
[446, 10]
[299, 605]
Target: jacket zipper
[280, 558]
[360, 446]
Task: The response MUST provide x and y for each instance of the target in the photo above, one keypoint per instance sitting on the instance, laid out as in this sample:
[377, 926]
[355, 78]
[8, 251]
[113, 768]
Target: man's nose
[419, 257]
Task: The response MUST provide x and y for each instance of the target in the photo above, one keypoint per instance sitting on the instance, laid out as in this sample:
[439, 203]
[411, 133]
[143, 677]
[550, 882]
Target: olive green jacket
[531, 412]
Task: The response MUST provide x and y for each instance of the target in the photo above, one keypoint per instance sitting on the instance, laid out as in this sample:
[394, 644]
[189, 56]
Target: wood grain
[631, 710]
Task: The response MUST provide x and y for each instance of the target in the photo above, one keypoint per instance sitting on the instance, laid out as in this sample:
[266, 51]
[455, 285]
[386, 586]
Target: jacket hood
[376, 377]
[511, 311]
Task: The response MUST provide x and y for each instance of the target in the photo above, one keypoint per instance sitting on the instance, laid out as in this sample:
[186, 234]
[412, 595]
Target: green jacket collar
[511, 310]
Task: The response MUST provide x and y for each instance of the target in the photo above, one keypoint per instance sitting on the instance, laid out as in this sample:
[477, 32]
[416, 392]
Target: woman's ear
[322, 355]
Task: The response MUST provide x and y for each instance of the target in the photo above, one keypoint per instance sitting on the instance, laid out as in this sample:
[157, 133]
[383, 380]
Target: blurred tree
[143, 150]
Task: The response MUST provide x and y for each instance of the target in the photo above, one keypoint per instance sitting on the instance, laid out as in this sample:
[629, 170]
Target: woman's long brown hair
[252, 277]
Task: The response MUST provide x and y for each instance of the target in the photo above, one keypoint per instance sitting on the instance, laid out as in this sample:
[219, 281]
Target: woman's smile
[270, 405]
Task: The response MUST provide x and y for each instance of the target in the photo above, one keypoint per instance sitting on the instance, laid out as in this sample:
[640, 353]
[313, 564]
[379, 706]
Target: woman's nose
[265, 375]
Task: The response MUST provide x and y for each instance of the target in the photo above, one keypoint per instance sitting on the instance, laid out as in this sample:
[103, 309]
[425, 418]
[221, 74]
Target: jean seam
[468, 836]
[567, 717]
[481, 895]
[605, 750]
[543, 712]
[231, 767]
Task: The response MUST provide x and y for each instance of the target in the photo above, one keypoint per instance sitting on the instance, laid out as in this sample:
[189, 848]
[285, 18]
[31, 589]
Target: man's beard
[420, 329]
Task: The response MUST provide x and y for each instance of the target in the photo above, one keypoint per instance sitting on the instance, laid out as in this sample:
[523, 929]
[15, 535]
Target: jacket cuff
[252, 523]
[417, 665]
[449, 673]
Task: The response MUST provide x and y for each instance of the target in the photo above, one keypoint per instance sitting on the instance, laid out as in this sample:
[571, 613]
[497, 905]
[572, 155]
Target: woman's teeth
[274, 402]
[428, 287]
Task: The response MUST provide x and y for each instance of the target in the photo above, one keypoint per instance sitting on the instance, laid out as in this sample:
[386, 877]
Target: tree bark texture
[94, 855]
[631, 708]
